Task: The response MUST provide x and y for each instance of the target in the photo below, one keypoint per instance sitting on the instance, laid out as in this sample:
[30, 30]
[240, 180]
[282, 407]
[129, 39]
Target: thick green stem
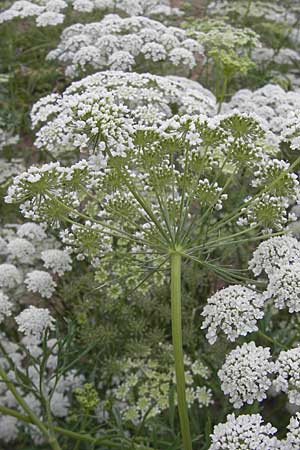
[178, 351]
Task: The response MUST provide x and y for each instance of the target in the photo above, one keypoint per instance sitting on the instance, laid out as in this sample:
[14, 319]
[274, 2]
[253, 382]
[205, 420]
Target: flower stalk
[175, 259]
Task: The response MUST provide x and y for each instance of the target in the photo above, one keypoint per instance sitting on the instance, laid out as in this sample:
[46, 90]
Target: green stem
[52, 438]
[270, 339]
[222, 95]
[33, 417]
[82, 428]
[178, 351]
[106, 440]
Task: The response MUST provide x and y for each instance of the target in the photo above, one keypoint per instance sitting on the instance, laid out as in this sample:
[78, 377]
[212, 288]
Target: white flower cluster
[58, 261]
[245, 432]
[274, 253]
[46, 12]
[279, 258]
[20, 249]
[285, 56]
[6, 307]
[142, 382]
[288, 374]
[102, 129]
[210, 194]
[10, 168]
[8, 428]
[90, 120]
[271, 104]
[293, 435]
[284, 287]
[41, 282]
[33, 322]
[10, 276]
[245, 375]
[216, 33]
[55, 178]
[24, 251]
[242, 139]
[52, 12]
[234, 311]
[32, 231]
[124, 44]
[135, 91]
[268, 211]
[291, 128]
[86, 241]
[7, 139]
[269, 11]
[147, 8]
[273, 169]
[106, 105]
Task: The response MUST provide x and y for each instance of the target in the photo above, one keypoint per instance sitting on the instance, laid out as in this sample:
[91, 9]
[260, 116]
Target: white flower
[47, 13]
[40, 281]
[121, 60]
[35, 321]
[273, 105]
[10, 168]
[284, 287]
[83, 5]
[60, 404]
[55, 5]
[21, 249]
[270, 212]
[3, 246]
[5, 306]
[10, 276]
[288, 374]
[22, 9]
[119, 43]
[291, 130]
[32, 231]
[245, 432]
[107, 98]
[154, 51]
[6, 138]
[274, 253]
[49, 18]
[8, 428]
[182, 57]
[293, 435]
[203, 396]
[58, 261]
[233, 311]
[245, 375]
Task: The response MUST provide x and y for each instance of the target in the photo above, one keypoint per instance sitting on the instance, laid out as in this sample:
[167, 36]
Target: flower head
[288, 374]
[40, 281]
[244, 432]
[284, 287]
[35, 321]
[233, 311]
[10, 276]
[275, 253]
[245, 375]
[6, 306]
[58, 261]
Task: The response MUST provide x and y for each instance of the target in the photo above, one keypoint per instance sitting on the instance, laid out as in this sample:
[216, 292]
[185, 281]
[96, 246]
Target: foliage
[149, 253]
